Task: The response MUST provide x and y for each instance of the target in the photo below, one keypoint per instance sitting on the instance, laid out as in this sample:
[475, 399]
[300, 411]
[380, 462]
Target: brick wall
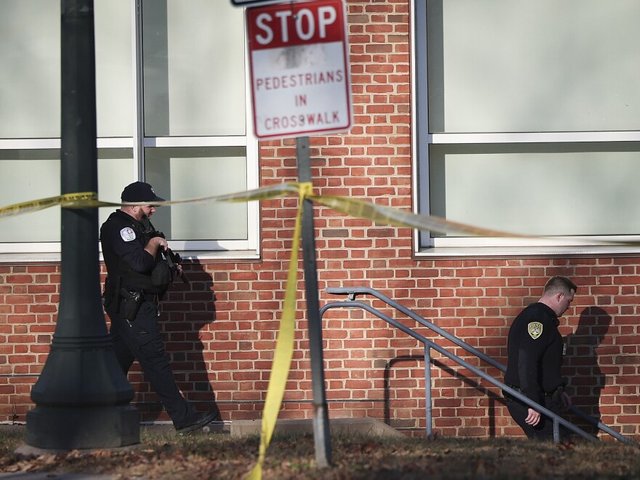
[221, 332]
[221, 328]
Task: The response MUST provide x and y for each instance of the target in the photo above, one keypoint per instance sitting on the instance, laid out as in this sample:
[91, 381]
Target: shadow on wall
[454, 373]
[186, 310]
[586, 380]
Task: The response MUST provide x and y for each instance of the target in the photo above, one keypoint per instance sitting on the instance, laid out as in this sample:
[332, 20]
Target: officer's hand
[533, 417]
[155, 244]
[160, 242]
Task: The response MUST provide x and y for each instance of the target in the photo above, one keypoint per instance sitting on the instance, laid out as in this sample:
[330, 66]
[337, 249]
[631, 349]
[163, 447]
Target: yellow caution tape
[401, 218]
[358, 208]
[284, 344]
[68, 200]
[90, 200]
[362, 209]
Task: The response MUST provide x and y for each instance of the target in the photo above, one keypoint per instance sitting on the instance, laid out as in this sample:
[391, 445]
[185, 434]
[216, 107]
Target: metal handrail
[428, 345]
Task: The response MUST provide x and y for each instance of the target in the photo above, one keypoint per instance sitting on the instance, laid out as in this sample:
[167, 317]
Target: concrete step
[350, 426]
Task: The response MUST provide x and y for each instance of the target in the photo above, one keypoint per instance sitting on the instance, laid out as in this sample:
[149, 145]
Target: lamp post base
[71, 428]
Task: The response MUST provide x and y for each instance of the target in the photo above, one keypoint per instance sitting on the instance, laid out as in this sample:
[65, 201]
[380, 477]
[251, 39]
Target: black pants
[141, 340]
[544, 429]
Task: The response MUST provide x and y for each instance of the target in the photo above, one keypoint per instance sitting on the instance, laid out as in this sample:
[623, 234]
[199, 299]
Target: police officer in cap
[137, 278]
[535, 350]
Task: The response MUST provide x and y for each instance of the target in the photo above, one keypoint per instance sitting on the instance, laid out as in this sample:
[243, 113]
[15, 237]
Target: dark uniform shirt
[123, 241]
[535, 350]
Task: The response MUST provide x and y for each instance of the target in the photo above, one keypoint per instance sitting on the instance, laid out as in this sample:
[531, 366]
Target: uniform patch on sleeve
[534, 329]
[127, 234]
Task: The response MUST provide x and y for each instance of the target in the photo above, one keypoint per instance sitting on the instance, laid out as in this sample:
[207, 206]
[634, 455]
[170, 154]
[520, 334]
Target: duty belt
[150, 297]
[144, 297]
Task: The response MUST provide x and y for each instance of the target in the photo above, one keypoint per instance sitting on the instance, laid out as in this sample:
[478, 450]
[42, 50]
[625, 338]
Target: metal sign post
[300, 85]
[321, 432]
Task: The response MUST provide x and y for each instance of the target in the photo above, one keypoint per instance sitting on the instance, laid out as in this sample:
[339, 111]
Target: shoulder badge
[127, 234]
[534, 329]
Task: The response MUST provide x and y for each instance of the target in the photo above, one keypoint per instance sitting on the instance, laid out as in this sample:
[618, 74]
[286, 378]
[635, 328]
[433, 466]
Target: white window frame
[237, 249]
[422, 138]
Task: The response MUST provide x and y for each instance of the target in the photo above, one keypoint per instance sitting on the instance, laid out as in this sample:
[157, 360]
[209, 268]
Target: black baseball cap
[139, 192]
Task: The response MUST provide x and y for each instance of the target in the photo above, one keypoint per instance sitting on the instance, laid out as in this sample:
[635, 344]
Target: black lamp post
[82, 397]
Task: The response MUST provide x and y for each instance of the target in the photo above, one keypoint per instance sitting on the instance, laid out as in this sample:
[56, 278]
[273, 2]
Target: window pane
[193, 68]
[26, 176]
[586, 189]
[187, 173]
[528, 66]
[30, 72]
[114, 90]
[116, 170]
[19, 184]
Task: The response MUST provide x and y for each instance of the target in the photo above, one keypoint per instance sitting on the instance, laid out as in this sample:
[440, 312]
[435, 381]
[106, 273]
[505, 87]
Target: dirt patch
[163, 455]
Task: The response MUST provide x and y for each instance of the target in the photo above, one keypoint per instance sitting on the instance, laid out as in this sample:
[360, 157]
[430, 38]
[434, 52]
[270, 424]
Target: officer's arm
[527, 372]
[529, 365]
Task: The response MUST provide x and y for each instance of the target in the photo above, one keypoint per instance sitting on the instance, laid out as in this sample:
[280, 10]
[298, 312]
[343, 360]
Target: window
[171, 109]
[527, 120]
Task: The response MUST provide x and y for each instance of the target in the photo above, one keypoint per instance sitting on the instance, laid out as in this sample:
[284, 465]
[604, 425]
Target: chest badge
[127, 234]
[535, 330]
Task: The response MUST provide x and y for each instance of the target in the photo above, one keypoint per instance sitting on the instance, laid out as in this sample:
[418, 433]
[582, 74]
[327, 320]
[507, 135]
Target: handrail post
[427, 392]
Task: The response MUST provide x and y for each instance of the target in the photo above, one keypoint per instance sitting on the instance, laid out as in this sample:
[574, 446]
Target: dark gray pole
[82, 397]
[321, 432]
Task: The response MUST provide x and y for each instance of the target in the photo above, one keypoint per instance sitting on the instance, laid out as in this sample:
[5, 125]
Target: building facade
[516, 116]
